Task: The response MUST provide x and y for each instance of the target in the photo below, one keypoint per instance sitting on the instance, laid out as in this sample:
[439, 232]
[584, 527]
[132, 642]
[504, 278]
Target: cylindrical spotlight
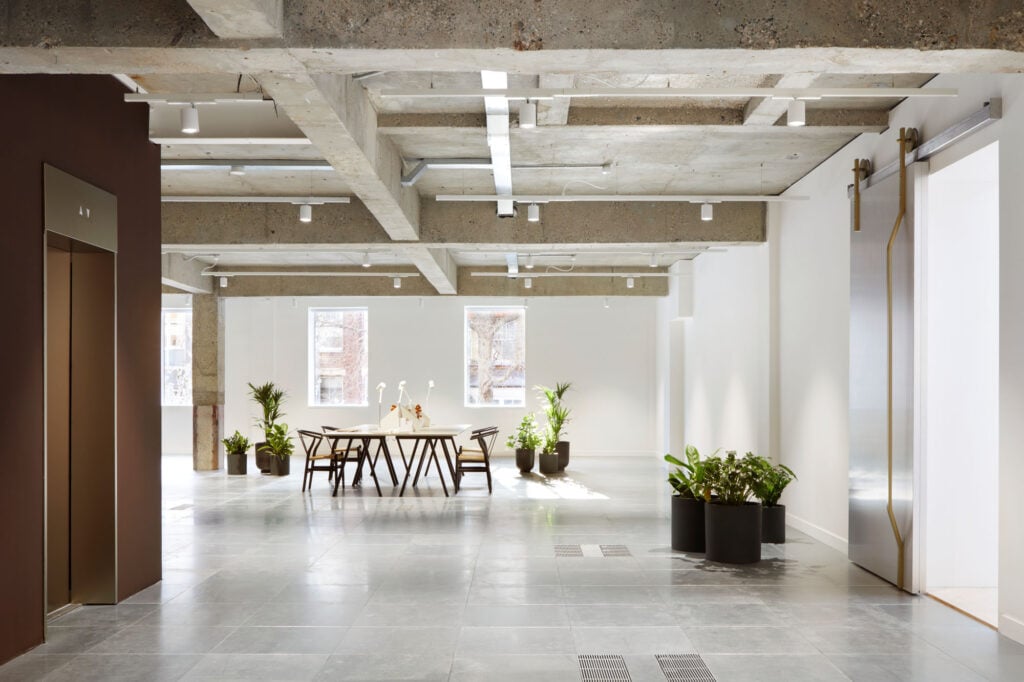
[306, 213]
[606, 303]
[533, 213]
[237, 170]
[654, 260]
[190, 120]
[398, 282]
[223, 282]
[630, 282]
[529, 261]
[528, 282]
[528, 115]
[797, 114]
[707, 212]
[366, 259]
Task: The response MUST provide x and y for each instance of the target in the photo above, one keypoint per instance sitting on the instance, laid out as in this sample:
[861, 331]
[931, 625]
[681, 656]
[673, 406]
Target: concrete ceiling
[323, 76]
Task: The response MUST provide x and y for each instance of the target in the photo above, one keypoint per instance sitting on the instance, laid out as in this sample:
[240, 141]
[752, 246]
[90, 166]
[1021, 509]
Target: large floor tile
[271, 666]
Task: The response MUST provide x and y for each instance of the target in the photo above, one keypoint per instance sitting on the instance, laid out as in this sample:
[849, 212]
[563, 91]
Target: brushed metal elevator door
[872, 543]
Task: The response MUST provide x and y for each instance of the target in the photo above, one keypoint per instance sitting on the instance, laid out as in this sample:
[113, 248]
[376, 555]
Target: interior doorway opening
[961, 385]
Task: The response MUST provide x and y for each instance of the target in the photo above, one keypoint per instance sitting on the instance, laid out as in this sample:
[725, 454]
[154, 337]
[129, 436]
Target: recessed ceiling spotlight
[797, 114]
[237, 170]
[654, 260]
[190, 120]
[533, 213]
[528, 115]
[529, 261]
[528, 282]
[398, 282]
[366, 259]
[707, 212]
[630, 282]
[305, 213]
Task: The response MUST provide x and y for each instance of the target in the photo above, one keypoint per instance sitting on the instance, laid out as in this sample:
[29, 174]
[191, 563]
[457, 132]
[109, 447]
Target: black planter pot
[237, 464]
[773, 526]
[524, 459]
[562, 450]
[733, 532]
[548, 463]
[687, 524]
[279, 466]
[262, 458]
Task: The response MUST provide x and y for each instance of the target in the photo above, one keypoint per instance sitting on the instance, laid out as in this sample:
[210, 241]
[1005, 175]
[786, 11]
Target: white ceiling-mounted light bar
[613, 198]
[305, 273]
[190, 98]
[253, 165]
[624, 275]
[235, 199]
[772, 93]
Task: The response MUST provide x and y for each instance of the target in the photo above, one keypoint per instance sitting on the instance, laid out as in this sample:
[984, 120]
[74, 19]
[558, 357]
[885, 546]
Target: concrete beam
[184, 275]
[226, 123]
[554, 112]
[208, 228]
[437, 266]
[540, 27]
[242, 18]
[764, 111]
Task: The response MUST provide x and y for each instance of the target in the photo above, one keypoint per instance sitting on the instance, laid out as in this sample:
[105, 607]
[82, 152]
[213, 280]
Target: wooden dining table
[424, 445]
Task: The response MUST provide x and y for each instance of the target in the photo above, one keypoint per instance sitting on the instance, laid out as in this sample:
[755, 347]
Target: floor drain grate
[603, 668]
[615, 550]
[684, 668]
[568, 550]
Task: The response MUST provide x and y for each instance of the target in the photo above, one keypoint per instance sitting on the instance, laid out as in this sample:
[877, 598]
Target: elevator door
[58, 425]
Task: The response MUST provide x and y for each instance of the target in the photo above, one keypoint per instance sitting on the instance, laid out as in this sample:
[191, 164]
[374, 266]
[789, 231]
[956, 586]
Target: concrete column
[207, 381]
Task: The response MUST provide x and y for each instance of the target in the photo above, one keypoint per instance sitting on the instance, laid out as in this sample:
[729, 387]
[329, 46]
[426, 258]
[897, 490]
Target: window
[495, 356]
[176, 356]
[338, 357]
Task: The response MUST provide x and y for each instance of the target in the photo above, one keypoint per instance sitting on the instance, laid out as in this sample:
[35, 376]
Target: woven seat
[342, 455]
[476, 459]
[310, 443]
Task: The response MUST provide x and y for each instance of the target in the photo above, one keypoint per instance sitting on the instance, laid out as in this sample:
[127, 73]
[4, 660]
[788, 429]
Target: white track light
[366, 259]
[529, 262]
[528, 115]
[237, 170]
[533, 213]
[190, 120]
[398, 282]
[797, 114]
[306, 213]
[654, 260]
[528, 282]
[223, 282]
[630, 282]
[606, 304]
[707, 212]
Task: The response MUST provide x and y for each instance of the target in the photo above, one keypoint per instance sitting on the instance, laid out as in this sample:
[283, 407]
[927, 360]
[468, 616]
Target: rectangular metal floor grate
[568, 550]
[615, 550]
[603, 668]
[684, 668]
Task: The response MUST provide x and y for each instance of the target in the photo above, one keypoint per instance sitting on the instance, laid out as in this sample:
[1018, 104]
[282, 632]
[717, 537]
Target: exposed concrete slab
[227, 123]
[242, 18]
[552, 25]
[184, 274]
[256, 226]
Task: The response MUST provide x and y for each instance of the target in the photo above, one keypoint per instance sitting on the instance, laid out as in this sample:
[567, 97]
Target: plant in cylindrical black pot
[280, 448]
[688, 486]
[772, 480]
[236, 447]
[525, 441]
[548, 457]
[732, 524]
[269, 398]
[557, 415]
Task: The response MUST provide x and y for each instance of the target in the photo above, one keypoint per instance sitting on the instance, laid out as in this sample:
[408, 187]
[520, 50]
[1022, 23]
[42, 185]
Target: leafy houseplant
[772, 481]
[236, 446]
[525, 441]
[280, 448]
[557, 415]
[688, 499]
[270, 399]
[548, 455]
[732, 523]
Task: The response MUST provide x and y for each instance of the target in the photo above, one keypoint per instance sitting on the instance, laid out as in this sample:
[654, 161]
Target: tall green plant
[555, 411]
[772, 480]
[732, 478]
[270, 399]
[689, 477]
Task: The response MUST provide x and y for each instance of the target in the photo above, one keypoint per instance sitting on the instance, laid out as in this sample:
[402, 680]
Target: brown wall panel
[81, 125]
[58, 404]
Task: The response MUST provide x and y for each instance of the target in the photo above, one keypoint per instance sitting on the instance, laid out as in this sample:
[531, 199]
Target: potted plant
[732, 523]
[557, 415]
[689, 491]
[549, 456]
[772, 481]
[237, 446]
[279, 448]
[270, 398]
[525, 441]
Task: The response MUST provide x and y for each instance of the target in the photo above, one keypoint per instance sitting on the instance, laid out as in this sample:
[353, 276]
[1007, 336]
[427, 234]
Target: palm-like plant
[270, 399]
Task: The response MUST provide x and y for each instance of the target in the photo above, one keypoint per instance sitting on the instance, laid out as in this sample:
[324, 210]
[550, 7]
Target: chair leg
[487, 469]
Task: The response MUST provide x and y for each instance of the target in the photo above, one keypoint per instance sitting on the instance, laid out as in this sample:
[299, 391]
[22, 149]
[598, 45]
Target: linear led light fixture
[423, 165]
[249, 165]
[771, 93]
[187, 98]
[535, 275]
[238, 199]
[613, 198]
[305, 273]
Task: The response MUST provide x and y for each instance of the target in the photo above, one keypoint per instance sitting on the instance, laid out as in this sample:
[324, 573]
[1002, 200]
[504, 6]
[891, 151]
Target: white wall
[726, 353]
[608, 355]
[961, 369]
[176, 420]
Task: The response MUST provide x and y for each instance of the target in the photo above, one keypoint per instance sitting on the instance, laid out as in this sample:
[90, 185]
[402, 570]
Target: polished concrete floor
[262, 582]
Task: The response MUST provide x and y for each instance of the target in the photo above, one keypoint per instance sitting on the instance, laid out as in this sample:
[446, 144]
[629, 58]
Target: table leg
[387, 459]
[408, 466]
[433, 456]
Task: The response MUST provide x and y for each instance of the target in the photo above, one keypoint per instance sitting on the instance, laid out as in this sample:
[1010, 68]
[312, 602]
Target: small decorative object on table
[236, 446]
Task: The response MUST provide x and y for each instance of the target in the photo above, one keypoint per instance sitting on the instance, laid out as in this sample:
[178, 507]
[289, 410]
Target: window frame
[311, 355]
[163, 353]
[465, 356]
